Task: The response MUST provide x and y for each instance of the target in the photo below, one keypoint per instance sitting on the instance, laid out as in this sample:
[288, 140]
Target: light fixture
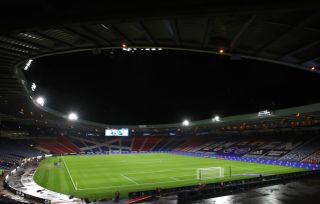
[40, 100]
[185, 123]
[28, 64]
[264, 113]
[216, 118]
[33, 87]
[221, 51]
[73, 116]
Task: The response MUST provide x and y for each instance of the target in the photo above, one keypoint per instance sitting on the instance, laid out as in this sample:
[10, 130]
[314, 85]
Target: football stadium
[156, 122]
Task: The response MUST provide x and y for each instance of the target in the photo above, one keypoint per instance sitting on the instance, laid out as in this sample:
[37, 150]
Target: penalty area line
[129, 179]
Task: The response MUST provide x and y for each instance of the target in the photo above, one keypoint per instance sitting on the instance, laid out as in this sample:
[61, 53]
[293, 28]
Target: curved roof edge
[301, 110]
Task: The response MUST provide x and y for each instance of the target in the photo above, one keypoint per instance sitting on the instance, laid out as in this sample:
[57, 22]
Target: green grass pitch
[100, 176]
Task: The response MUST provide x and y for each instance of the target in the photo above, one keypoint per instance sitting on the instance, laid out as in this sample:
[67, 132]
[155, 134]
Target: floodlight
[33, 87]
[313, 68]
[264, 113]
[41, 101]
[221, 51]
[28, 64]
[216, 118]
[73, 116]
[185, 123]
[105, 27]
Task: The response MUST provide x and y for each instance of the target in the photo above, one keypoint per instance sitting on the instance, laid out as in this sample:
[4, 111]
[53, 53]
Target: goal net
[210, 173]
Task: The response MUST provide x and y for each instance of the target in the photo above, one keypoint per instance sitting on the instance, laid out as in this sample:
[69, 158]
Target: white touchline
[75, 187]
[129, 179]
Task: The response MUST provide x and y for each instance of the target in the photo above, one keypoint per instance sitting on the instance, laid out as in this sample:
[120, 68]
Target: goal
[210, 173]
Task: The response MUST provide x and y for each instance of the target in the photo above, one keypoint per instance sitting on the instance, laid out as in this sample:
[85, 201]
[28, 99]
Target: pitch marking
[69, 174]
[129, 179]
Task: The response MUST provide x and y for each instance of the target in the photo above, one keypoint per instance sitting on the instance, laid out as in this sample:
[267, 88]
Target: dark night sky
[166, 86]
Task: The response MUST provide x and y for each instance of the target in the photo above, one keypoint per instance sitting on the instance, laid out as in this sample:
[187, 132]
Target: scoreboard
[122, 132]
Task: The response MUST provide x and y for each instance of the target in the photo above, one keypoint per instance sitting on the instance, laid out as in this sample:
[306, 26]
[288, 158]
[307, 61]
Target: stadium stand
[58, 145]
[164, 141]
[313, 159]
[138, 142]
[150, 143]
[126, 142]
[67, 143]
[303, 151]
[191, 144]
[288, 146]
[172, 144]
[79, 143]
[12, 151]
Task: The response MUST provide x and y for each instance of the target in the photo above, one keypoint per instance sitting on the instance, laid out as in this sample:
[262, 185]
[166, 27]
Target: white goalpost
[210, 173]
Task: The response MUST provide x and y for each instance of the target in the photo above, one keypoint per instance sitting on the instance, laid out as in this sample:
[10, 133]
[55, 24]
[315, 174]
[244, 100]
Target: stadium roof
[283, 32]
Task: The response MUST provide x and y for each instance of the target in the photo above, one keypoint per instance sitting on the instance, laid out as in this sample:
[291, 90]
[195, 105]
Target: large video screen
[117, 132]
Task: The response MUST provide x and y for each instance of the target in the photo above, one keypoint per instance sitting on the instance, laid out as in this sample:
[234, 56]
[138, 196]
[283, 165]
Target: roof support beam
[235, 40]
[174, 25]
[7, 57]
[118, 33]
[83, 36]
[147, 32]
[310, 60]
[295, 51]
[19, 46]
[29, 43]
[45, 36]
[5, 64]
[3, 54]
[290, 26]
[88, 30]
[12, 52]
[206, 34]
[290, 31]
